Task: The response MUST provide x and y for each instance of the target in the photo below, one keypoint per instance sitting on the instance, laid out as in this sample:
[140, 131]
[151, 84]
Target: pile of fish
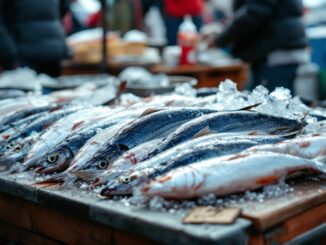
[171, 146]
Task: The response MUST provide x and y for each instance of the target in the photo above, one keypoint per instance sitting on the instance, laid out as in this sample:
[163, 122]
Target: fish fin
[122, 86]
[249, 108]
[267, 180]
[45, 126]
[77, 125]
[86, 175]
[169, 103]
[285, 131]
[115, 100]
[57, 108]
[149, 111]
[203, 132]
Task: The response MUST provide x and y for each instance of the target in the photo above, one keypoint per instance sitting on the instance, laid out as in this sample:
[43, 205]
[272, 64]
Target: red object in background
[187, 43]
[67, 23]
[94, 20]
[187, 40]
[180, 8]
[187, 56]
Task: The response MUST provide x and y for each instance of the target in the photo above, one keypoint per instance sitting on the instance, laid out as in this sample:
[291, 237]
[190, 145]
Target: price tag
[212, 215]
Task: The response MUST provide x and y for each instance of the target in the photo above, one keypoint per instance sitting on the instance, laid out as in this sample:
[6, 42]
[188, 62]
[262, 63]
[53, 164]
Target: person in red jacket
[175, 10]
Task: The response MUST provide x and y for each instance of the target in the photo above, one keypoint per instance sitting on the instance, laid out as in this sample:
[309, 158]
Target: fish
[85, 153]
[231, 121]
[308, 147]
[210, 146]
[93, 145]
[228, 175]
[10, 137]
[15, 126]
[154, 125]
[19, 144]
[62, 155]
[26, 113]
[16, 154]
[127, 160]
[28, 102]
[61, 129]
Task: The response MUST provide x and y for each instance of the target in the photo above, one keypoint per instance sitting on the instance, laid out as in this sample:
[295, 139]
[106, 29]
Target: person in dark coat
[32, 35]
[270, 35]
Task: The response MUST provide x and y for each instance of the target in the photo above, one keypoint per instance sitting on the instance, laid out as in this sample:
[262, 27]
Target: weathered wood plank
[306, 195]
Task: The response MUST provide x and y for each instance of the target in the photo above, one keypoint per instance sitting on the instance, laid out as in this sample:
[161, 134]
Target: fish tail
[249, 108]
[116, 99]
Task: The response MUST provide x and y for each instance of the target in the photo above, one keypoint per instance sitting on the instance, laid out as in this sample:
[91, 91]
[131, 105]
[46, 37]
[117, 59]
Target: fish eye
[10, 145]
[53, 158]
[18, 147]
[102, 164]
[125, 179]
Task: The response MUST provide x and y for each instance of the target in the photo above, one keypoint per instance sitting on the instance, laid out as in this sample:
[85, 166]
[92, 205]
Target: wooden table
[208, 76]
[72, 216]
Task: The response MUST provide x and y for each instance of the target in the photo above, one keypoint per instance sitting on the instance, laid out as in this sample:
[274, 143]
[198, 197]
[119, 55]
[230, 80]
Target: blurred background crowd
[283, 41]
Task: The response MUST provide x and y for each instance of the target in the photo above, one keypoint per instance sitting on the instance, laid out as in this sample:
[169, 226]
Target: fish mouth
[116, 189]
[41, 169]
[102, 180]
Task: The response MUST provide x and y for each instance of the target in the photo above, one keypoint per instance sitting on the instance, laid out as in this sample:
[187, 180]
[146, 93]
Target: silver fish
[309, 147]
[228, 175]
[62, 129]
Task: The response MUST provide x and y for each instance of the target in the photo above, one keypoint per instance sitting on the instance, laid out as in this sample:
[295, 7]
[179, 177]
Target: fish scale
[186, 153]
[155, 125]
[222, 122]
[68, 149]
[38, 125]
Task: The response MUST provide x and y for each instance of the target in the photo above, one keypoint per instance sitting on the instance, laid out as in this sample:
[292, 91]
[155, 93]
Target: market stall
[91, 163]
[174, 122]
[42, 216]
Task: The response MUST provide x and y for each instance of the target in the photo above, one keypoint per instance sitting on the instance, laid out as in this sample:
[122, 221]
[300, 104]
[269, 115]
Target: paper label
[212, 215]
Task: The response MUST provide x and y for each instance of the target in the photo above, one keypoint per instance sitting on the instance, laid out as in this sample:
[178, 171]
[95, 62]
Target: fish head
[122, 186]
[18, 150]
[103, 159]
[108, 176]
[7, 146]
[56, 161]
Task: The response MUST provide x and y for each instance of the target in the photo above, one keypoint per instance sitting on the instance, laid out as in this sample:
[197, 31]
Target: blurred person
[270, 35]
[174, 12]
[221, 9]
[32, 35]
